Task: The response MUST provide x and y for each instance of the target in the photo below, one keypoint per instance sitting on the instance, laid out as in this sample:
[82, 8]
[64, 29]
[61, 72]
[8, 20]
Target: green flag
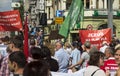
[80, 17]
[72, 18]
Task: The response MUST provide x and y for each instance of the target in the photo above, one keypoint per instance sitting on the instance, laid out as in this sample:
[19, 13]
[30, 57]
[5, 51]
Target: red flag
[26, 38]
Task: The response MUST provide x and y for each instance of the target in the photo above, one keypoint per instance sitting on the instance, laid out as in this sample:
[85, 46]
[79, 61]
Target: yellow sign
[58, 20]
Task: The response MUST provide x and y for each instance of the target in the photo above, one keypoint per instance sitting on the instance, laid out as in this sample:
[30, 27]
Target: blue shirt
[63, 60]
[75, 55]
[33, 31]
[3, 51]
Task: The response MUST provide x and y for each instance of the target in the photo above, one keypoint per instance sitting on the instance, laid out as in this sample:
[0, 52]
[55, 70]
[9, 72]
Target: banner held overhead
[10, 21]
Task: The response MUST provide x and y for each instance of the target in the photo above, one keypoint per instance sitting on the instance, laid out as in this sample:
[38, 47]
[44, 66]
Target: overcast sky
[5, 5]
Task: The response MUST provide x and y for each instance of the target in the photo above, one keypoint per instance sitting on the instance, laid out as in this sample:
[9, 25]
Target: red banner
[96, 37]
[10, 21]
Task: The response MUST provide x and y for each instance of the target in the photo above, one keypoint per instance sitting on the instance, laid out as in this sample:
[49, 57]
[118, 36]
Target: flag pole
[26, 37]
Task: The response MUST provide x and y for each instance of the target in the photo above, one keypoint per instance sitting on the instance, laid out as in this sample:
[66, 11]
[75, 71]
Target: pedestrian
[109, 62]
[84, 57]
[35, 54]
[104, 46]
[93, 49]
[34, 29]
[36, 68]
[16, 63]
[14, 45]
[75, 55]
[117, 58]
[46, 55]
[40, 38]
[96, 60]
[62, 57]
[68, 47]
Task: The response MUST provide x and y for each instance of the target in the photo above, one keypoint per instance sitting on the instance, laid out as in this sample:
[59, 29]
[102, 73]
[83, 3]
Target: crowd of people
[68, 58]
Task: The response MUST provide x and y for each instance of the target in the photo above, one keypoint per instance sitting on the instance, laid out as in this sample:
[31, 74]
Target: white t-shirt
[91, 69]
[77, 73]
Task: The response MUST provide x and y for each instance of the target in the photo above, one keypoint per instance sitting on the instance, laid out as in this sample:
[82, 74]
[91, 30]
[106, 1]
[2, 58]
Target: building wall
[97, 21]
[100, 5]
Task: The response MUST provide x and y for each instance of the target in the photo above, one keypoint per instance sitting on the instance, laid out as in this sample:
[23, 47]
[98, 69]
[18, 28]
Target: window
[68, 3]
[87, 4]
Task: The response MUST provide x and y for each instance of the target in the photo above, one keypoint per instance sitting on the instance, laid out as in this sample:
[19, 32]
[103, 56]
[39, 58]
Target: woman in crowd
[117, 58]
[96, 60]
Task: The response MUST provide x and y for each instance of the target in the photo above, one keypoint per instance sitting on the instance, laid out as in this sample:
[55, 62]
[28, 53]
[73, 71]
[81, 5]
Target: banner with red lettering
[96, 37]
[10, 21]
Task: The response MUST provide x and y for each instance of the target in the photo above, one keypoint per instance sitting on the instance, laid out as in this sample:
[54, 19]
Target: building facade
[95, 14]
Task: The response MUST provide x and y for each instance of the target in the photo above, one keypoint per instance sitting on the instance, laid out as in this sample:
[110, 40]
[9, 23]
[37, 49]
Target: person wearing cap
[104, 46]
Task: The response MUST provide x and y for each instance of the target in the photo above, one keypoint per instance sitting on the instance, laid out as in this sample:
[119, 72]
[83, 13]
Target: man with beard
[16, 63]
[14, 45]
